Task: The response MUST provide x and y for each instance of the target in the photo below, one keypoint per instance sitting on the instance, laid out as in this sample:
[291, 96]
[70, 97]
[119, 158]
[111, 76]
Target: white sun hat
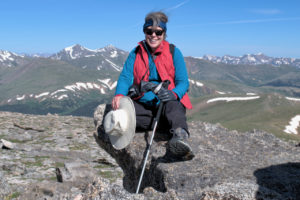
[120, 124]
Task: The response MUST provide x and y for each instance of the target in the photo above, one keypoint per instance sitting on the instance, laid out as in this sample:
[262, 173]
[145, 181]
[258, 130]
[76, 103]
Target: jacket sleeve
[126, 77]
[181, 76]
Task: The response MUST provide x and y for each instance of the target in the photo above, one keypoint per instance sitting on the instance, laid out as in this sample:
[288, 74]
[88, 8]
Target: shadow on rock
[279, 182]
[131, 161]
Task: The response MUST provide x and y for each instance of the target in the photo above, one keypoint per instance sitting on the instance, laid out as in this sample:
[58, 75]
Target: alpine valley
[242, 93]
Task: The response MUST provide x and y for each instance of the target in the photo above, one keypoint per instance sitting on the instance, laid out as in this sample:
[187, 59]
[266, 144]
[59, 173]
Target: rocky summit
[65, 157]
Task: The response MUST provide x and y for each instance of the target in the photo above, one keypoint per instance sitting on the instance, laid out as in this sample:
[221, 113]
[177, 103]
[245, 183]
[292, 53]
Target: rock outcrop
[64, 157]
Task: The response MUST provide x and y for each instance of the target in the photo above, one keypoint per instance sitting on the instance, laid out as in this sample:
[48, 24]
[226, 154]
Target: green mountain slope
[245, 78]
[76, 80]
[271, 113]
[250, 75]
[46, 75]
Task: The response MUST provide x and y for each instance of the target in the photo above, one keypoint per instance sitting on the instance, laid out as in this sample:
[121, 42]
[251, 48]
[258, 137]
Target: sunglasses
[149, 31]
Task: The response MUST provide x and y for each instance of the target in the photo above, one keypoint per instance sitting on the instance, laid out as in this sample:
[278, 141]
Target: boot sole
[180, 148]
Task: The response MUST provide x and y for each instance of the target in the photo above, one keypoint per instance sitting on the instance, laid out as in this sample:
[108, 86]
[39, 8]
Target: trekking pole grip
[165, 84]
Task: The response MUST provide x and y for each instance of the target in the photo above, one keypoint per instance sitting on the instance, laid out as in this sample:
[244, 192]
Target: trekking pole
[155, 121]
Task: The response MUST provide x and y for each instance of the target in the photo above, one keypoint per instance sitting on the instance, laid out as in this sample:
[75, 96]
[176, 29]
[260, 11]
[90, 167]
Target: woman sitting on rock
[154, 61]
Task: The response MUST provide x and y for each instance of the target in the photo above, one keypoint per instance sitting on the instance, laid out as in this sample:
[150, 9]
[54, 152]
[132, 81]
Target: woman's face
[154, 36]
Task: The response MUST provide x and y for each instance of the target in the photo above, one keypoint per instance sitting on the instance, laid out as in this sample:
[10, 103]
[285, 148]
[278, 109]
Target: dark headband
[161, 24]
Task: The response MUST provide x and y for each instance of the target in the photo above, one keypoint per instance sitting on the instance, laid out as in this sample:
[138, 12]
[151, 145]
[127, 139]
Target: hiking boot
[179, 145]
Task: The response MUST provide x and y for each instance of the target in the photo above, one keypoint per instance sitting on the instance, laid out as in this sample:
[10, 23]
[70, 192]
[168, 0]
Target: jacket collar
[159, 49]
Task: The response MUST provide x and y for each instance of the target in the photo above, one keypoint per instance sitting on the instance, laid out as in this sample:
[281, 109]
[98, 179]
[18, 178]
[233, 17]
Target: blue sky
[197, 27]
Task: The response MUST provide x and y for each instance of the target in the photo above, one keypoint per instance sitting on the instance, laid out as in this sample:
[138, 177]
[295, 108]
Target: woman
[153, 62]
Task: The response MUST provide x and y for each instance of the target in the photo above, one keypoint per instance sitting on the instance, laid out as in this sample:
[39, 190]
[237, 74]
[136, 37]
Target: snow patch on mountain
[229, 99]
[249, 58]
[77, 86]
[57, 91]
[108, 48]
[60, 94]
[113, 54]
[116, 67]
[62, 97]
[87, 86]
[219, 92]
[77, 51]
[101, 50]
[197, 83]
[293, 125]
[107, 83]
[96, 86]
[250, 94]
[90, 85]
[292, 99]
[6, 55]
[69, 50]
[19, 98]
[9, 59]
[74, 52]
[41, 95]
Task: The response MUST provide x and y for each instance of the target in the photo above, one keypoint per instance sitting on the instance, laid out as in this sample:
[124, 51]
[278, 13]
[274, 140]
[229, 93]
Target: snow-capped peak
[74, 52]
[78, 51]
[107, 48]
[8, 58]
[209, 57]
[252, 59]
[5, 55]
[110, 46]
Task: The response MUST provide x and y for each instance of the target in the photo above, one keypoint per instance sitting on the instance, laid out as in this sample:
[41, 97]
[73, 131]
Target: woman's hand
[116, 102]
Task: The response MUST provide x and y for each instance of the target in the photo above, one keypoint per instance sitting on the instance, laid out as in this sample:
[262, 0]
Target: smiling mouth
[153, 41]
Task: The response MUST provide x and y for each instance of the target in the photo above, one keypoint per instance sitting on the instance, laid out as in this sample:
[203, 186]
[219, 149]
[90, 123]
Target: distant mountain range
[252, 59]
[76, 79]
[77, 51]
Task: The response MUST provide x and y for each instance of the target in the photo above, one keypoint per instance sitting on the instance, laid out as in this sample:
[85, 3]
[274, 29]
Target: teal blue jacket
[126, 77]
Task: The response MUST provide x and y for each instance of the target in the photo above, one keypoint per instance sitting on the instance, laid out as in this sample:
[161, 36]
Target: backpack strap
[137, 49]
[171, 46]
[172, 49]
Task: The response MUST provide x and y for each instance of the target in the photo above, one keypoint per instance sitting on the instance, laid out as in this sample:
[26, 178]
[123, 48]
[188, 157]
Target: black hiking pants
[172, 116]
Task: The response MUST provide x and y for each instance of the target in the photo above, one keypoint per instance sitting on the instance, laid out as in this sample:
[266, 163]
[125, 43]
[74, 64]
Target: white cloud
[165, 10]
[248, 21]
[177, 6]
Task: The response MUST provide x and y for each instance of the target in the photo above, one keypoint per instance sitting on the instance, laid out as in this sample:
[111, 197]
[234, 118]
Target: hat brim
[121, 141]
